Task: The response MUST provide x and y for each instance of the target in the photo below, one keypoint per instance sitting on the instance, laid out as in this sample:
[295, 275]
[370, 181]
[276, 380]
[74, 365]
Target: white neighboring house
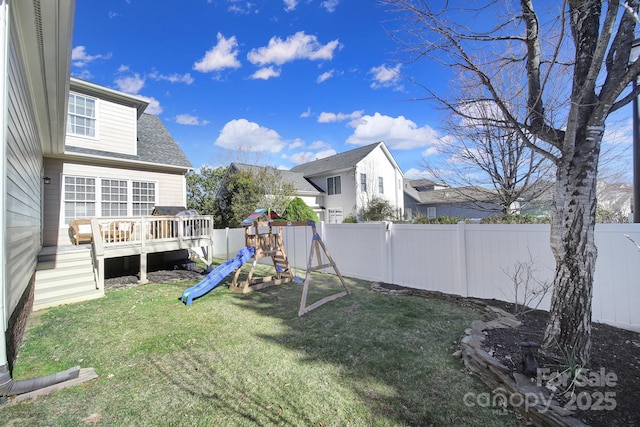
[351, 179]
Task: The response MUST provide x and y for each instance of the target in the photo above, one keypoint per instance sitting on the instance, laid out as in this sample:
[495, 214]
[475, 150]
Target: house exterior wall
[345, 201]
[23, 183]
[377, 165]
[458, 210]
[116, 129]
[170, 190]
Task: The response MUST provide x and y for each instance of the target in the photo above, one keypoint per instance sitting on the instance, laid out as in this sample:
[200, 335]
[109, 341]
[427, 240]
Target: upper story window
[380, 185]
[333, 185]
[363, 182]
[81, 119]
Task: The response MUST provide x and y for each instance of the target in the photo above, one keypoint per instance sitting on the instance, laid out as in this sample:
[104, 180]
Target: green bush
[439, 220]
[351, 219]
[515, 219]
[298, 210]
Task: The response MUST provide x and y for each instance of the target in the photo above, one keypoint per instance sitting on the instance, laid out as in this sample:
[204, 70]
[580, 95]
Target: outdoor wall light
[46, 180]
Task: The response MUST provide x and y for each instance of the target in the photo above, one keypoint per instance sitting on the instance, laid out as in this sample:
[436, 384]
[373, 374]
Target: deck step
[63, 277]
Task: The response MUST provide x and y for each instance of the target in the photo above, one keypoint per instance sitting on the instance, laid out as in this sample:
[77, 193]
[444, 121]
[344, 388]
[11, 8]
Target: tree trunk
[572, 242]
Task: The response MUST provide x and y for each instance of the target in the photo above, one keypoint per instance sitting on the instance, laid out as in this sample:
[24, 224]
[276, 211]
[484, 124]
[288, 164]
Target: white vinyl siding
[22, 179]
[81, 117]
[116, 130]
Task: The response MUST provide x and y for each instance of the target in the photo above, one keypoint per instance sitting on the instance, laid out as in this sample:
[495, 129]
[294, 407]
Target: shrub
[298, 210]
[515, 219]
[351, 219]
[439, 220]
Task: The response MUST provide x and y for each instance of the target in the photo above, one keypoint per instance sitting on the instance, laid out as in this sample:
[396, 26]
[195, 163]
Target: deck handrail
[147, 229]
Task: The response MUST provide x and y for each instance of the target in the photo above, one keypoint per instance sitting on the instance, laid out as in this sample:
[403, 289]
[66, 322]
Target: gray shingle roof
[345, 160]
[297, 179]
[155, 145]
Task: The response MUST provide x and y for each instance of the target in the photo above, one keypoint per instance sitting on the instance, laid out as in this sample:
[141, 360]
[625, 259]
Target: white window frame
[114, 201]
[431, 212]
[71, 130]
[363, 182]
[380, 185]
[148, 202]
[333, 188]
[333, 214]
[100, 199]
[85, 201]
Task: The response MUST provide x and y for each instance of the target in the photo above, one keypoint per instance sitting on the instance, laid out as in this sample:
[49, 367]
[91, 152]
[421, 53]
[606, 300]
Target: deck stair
[65, 276]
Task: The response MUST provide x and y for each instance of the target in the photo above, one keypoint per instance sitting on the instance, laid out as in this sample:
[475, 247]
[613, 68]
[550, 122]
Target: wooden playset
[263, 232]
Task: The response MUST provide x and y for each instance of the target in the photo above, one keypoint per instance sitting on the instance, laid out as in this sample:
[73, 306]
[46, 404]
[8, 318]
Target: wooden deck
[75, 273]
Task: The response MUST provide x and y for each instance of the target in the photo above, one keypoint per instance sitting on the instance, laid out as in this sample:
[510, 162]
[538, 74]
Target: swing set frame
[267, 243]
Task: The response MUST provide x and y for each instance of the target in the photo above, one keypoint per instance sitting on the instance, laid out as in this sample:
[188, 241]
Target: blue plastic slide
[214, 278]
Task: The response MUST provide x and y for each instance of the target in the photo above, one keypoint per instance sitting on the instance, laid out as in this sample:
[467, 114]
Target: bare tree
[572, 60]
[485, 152]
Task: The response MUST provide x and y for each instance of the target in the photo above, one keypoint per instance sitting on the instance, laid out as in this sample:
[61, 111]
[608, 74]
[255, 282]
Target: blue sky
[294, 80]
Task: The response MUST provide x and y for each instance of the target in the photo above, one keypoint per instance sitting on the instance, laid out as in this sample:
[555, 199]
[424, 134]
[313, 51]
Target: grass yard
[248, 360]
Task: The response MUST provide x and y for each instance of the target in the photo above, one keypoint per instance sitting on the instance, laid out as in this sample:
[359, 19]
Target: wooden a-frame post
[316, 245]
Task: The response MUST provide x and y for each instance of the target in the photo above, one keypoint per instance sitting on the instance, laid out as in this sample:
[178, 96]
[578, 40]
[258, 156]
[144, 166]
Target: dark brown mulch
[160, 276]
[608, 401]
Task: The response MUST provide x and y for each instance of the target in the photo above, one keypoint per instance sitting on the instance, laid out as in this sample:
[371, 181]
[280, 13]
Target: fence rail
[471, 260]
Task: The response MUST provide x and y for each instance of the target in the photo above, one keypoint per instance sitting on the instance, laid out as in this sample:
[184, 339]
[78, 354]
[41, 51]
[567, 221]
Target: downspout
[9, 387]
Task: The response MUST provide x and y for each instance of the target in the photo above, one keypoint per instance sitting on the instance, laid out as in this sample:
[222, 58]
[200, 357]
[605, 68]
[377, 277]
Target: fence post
[388, 243]
[462, 259]
[226, 237]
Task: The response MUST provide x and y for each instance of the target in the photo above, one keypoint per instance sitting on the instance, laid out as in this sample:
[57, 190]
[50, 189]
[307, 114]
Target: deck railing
[147, 229]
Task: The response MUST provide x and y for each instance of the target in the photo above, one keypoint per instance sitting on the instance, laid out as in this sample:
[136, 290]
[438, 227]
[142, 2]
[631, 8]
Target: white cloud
[317, 145]
[324, 76]
[431, 151]
[131, 84]
[123, 68]
[189, 120]
[243, 134]
[306, 113]
[173, 78]
[325, 117]
[398, 133]
[298, 46]
[330, 5]
[80, 57]
[384, 76]
[265, 73]
[154, 106]
[308, 156]
[241, 7]
[297, 143]
[222, 55]
[290, 5]
[84, 74]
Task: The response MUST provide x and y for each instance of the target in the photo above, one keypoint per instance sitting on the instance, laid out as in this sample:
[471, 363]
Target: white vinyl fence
[470, 260]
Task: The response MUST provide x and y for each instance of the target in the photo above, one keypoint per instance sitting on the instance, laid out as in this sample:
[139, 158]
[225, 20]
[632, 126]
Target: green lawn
[245, 360]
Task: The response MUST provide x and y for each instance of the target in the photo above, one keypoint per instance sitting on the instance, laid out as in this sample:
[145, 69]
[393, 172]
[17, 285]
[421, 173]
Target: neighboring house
[351, 179]
[617, 198]
[470, 203]
[433, 200]
[115, 165]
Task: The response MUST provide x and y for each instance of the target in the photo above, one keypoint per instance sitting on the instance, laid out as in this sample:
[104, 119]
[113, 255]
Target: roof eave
[46, 30]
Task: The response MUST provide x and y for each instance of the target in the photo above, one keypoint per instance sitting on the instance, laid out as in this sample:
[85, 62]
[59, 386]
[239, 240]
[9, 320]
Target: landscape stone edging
[489, 369]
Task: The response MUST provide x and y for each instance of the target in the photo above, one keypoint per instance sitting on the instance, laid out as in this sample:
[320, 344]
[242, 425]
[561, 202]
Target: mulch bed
[614, 351]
